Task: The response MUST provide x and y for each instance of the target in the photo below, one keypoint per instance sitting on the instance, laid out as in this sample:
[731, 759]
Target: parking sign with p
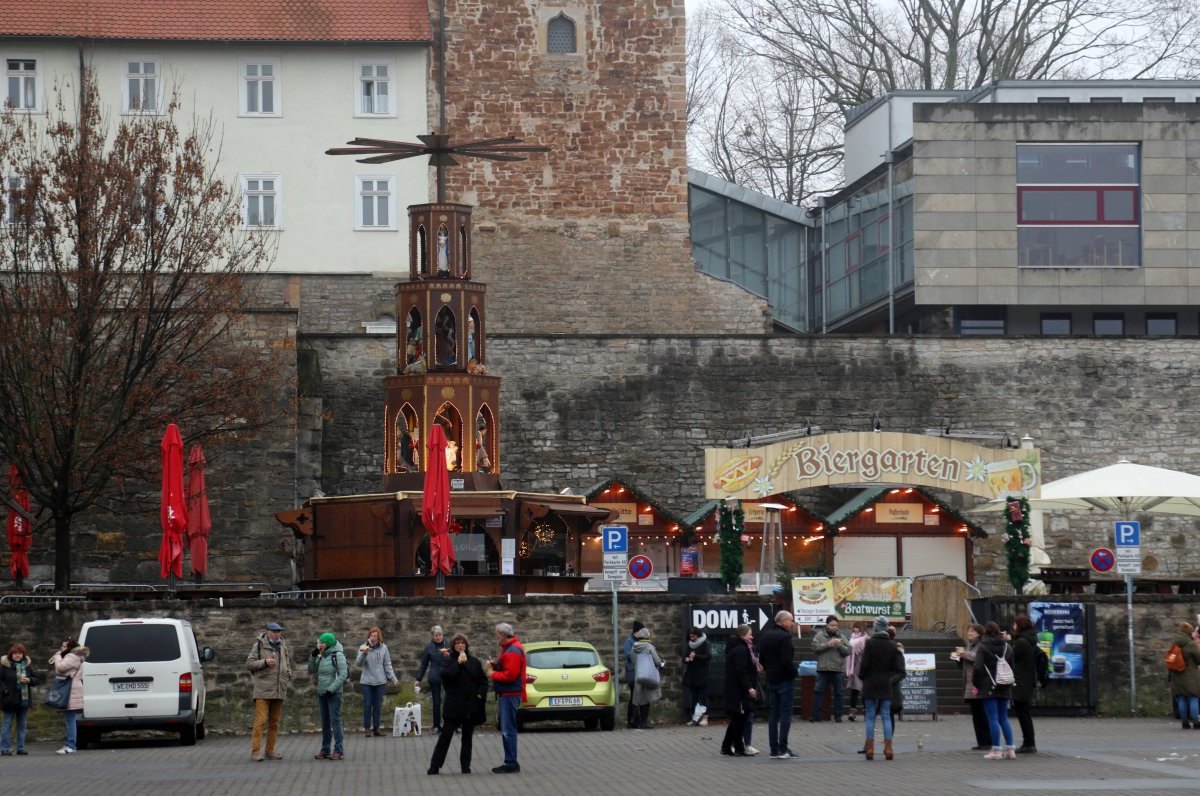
[614, 539]
[1128, 533]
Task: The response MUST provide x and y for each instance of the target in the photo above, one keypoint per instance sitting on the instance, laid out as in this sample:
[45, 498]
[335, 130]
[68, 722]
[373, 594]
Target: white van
[142, 674]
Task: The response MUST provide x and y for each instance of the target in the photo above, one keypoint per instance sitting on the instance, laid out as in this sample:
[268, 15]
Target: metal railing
[326, 594]
[40, 598]
[43, 587]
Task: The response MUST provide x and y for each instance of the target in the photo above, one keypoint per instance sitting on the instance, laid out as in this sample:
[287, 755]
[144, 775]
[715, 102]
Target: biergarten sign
[871, 458]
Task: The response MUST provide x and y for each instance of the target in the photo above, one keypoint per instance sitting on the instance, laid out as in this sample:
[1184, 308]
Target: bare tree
[846, 52]
[124, 284]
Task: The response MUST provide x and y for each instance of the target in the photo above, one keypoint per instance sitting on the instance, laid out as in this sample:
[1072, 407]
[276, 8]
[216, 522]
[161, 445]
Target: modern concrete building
[1024, 207]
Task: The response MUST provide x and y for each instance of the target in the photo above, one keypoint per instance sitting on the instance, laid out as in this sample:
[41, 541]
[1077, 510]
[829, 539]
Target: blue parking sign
[1128, 533]
[614, 539]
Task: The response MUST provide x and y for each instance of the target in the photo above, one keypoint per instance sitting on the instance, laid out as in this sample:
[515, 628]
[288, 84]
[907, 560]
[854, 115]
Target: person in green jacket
[1185, 685]
[328, 662]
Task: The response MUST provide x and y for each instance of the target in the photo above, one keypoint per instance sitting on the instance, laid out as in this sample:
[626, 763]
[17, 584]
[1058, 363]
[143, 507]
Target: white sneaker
[750, 751]
[66, 750]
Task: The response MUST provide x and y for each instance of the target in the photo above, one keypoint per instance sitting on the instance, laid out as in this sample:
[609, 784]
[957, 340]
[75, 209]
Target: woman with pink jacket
[68, 662]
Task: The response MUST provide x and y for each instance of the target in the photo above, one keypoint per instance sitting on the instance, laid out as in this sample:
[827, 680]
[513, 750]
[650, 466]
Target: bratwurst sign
[871, 458]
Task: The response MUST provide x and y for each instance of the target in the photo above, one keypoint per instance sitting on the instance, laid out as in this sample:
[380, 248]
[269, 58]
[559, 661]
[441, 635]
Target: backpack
[1174, 659]
[1041, 666]
[1004, 672]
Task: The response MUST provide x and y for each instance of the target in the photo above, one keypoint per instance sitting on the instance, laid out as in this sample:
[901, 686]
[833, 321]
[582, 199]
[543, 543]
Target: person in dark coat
[17, 679]
[433, 656]
[965, 657]
[632, 713]
[777, 655]
[897, 709]
[995, 696]
[741, 689]
[1185, 685]
[464, 705]
[1024, 647]
[695, 655]
[880, 666]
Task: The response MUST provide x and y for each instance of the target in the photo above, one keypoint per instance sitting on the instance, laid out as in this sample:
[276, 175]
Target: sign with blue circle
[640, 567]
[1103, 559]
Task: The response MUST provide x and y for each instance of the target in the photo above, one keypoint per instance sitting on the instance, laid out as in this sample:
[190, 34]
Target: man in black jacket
[778, 659]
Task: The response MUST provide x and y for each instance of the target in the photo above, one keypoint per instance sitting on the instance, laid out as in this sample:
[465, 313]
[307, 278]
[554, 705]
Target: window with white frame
[262, 201]
[375, 205]
[14, 197]
[374, 89]
[23, 82]
[143, 85]
[260, 88]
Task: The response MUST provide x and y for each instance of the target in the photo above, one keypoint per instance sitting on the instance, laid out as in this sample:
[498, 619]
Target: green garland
[1017, 542]
[729, 537]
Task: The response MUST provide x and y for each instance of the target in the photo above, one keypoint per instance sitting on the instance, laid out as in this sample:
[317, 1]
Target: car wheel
[591, 724]
[608, 720]
[85, 737]
[187, 736]
[200, 731]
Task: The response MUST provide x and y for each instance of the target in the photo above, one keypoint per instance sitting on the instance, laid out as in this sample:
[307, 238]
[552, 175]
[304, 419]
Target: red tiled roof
[220, 20]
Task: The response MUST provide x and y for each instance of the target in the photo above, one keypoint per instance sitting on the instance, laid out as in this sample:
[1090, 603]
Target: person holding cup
[376, 664]
[270, 667]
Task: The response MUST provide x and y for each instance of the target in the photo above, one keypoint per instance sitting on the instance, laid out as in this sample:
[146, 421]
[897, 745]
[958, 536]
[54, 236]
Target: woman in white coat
[68, 662]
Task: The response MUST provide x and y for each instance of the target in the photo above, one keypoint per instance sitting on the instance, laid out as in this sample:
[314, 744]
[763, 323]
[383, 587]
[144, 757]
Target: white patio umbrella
[1123, 489]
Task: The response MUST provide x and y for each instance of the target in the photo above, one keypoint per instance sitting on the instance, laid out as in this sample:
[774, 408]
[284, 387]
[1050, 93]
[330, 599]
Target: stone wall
[575, 411]
[232, 627]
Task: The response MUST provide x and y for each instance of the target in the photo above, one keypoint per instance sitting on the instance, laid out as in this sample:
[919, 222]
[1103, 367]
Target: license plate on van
[143, 685]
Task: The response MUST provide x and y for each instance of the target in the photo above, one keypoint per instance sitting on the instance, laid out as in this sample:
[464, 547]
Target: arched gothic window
[560, 35]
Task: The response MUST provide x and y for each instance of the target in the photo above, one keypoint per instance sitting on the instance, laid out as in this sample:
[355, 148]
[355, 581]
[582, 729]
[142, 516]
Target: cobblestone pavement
[1095, 754]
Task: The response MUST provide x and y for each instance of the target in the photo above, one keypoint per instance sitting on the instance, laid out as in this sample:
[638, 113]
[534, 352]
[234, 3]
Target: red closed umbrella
[435, 503]
[199, 521]
[20, 531]
[173, 511]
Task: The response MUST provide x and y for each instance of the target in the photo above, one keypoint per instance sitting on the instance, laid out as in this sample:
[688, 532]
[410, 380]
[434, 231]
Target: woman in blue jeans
[995, 695]
[376, 664]
[67, 663]
[879, 666]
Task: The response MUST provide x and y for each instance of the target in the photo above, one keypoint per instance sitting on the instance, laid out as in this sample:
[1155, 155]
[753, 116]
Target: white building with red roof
[283, 80]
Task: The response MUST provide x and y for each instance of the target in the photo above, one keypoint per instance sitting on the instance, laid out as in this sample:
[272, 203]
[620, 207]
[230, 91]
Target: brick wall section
[593, 235]
[966, 203]
[575, 411]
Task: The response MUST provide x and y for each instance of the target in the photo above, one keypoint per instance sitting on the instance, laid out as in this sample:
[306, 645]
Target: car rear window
[563, 658]
[132, 643]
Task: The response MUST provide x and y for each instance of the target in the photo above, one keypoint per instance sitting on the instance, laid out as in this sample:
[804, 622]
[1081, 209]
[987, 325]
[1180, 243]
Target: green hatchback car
[567, 681]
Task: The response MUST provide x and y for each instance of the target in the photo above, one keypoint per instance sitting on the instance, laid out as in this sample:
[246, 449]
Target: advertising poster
[689, 559]
[919, 687]
[866, 598]
[812, 600]
[1061, 633]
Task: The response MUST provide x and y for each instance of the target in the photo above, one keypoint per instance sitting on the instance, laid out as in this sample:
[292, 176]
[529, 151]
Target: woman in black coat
[695, 655]
[17, 679]
[1024, 647]
[741, 684]
[995, 696]
[466, 688]
[880, 666]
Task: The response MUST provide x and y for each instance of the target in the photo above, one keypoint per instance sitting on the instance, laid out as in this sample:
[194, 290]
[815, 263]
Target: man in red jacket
[507, 674]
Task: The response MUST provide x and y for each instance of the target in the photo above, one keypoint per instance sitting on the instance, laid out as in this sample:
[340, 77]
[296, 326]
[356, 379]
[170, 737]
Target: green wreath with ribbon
[1017, 542]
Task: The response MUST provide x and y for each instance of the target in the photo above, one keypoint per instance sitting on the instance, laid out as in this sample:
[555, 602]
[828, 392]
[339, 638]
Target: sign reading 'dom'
[871, 458]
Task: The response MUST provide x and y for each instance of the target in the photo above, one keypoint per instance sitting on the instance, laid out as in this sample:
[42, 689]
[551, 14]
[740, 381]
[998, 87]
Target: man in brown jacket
[270, 665]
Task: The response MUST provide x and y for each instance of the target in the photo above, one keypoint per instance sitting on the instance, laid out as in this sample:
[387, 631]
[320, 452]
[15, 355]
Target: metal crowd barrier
[326, 594]
[40, 598]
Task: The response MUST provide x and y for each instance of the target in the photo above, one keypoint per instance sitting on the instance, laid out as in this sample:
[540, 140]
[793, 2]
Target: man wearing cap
[270, 665]
[328, 663]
